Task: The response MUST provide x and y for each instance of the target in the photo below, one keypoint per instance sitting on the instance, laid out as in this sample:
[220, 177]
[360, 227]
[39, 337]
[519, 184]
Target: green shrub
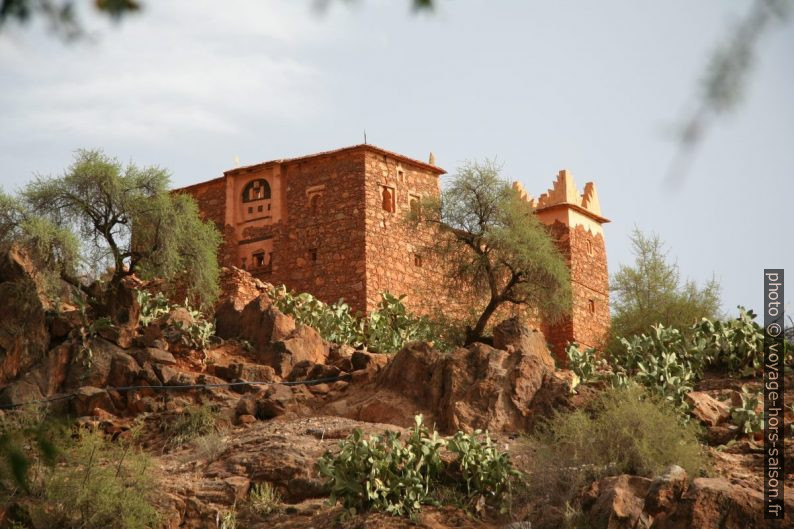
[197, 335]
[745, 416]
[735, 345]
[193, 423]
[152, 306]
[388, 328]
[386, 474]
[487, 472]
[624, 431]
[264, 499]
[669, 362]
[336, 323]
[583, 363]
[85, 482]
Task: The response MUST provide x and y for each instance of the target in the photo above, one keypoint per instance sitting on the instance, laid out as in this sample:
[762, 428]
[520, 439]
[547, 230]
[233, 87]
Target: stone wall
[585, 254]
[398, 259]
[335, 225]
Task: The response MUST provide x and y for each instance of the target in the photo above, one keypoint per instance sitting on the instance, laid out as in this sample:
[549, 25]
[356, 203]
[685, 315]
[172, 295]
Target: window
[591, 305]
[256, 190]
[589, 247]
[313, 255]
[259, 209]
[250, 210]
[414, 204]
[314, 204]
[387, 196]
[417, 260]
[259, 259]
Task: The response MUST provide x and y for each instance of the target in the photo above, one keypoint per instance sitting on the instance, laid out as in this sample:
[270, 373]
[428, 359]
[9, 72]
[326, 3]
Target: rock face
[671, 502]
[707, 409]
[24, 337]
[469, 388]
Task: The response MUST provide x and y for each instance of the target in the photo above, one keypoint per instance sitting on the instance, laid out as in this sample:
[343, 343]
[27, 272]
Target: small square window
[250, 210]
[260, 209]
[313, 255]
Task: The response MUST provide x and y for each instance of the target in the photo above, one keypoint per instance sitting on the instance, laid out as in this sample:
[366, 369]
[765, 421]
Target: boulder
[86, 399]
[618, 502]
[367, 360]
[155, 356]
[473, 387]
[665, 490]
[302, 344]
[24, 336]
[512, 334]
[179, 317]
[261, 323]
[243, 371]
[707, 409]
[124, 370]
[92, 370]
[671, 502]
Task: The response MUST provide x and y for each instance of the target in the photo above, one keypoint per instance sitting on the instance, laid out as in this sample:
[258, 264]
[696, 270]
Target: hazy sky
[595, 87]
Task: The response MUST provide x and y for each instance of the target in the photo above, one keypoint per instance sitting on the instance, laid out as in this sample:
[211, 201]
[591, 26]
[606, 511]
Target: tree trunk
[475, 334]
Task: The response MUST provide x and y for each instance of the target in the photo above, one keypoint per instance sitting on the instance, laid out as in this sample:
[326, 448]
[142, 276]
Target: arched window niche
[255, 190]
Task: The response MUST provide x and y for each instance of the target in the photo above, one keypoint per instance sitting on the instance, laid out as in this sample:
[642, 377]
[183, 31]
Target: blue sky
[595, 87]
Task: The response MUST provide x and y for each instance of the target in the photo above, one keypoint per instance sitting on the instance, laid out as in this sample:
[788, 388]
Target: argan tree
[492, 245]
[104, 219]
[651, 291]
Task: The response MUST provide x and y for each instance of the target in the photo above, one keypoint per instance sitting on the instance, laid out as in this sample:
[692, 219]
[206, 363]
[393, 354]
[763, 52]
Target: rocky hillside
[278, 396]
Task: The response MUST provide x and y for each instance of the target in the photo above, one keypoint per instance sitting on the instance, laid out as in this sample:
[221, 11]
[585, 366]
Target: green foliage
[651, 292]
[584, 363]
[152, 306]
[264, 499]
[197, 334]
[52, 248]
[336, 323]
[735, 345]
[192, 423]
[486, 471]
[83, 222]
[86, 332]
[391, 326]
[669, 362]
[386, 474]
[81, 481]
[624, 431]
[387, 329]
[229, 519]
[745, 416]
[494, 246]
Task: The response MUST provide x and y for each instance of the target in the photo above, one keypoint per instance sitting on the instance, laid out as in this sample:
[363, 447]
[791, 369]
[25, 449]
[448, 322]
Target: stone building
[331, 224]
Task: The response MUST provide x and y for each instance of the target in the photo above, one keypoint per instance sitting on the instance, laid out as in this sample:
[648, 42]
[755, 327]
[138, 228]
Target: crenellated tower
[576, 224]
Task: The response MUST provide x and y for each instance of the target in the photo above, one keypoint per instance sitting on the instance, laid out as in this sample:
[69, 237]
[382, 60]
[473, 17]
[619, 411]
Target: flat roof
[365, 146]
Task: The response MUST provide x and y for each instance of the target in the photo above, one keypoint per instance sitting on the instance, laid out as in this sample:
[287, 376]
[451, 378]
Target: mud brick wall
[589, 321]
[334, 233]
[320, 247]
[211, 199]
[397, 255]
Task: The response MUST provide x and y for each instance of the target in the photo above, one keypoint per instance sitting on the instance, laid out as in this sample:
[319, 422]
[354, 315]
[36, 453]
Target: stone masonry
[332, 224]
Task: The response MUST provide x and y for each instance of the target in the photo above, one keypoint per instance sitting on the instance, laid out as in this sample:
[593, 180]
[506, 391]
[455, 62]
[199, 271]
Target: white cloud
[186, 66]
